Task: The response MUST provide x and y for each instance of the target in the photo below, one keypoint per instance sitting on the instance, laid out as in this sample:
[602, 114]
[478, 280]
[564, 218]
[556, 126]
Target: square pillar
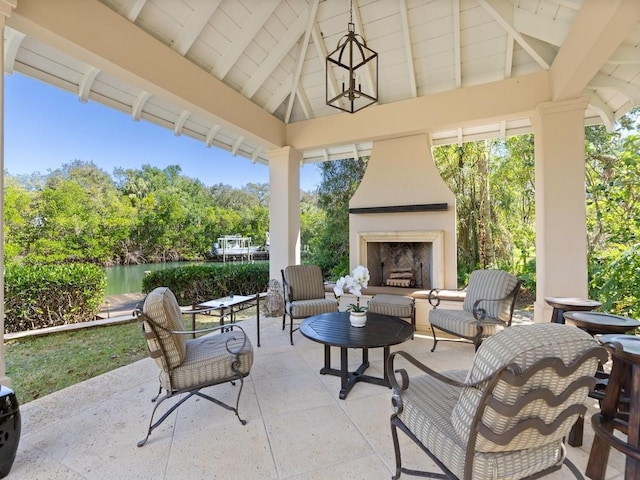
[561, 230]
[284, 209]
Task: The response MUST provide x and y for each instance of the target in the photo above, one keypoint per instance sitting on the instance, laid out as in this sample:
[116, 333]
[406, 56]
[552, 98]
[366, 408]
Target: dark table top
[335, 329]
[572, 303]
[599, 322]
[630, 345]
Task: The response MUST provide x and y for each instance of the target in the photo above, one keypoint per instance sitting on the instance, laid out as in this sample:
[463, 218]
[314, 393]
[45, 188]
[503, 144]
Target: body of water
[128, 278]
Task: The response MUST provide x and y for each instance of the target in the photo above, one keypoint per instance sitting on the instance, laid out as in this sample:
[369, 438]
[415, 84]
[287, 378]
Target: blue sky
[46, 127]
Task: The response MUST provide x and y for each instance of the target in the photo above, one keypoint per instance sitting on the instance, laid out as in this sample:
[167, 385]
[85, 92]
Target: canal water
[128, 278]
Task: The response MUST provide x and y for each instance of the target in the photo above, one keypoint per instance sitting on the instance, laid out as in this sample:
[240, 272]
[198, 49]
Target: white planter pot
[358, 319]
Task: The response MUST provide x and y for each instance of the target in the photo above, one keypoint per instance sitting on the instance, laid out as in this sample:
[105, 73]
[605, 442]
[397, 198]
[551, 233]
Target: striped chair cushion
[524, 345]
[394, 305]
[490, 284]
[427, 412]
[207, 361]
[162, 307]
[307, 308]
[305, 282]
[463, 323]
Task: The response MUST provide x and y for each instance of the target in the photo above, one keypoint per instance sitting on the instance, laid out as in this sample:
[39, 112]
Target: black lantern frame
[354, 57]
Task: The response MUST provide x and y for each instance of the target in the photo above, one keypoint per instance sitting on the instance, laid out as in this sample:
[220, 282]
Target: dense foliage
[47, 296]
[79, 213]
[199, 283]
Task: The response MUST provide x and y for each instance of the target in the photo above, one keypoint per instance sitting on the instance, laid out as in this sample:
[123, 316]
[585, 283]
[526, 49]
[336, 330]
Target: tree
[340, 180]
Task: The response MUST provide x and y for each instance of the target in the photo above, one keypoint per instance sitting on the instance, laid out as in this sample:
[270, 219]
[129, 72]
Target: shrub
[38, 296]
[199, 283]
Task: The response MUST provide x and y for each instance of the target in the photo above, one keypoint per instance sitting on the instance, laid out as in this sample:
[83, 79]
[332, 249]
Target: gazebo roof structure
[249, 76]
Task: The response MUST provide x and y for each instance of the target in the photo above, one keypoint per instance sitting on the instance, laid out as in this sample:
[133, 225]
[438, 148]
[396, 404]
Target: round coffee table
[335, 330]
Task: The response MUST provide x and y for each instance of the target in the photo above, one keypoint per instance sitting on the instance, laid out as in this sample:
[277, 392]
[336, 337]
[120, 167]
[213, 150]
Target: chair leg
[435, 340]
[284, 316]
[291, 330]
[396, 449]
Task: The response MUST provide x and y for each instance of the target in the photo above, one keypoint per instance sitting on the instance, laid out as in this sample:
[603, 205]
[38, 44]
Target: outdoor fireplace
[402, 223]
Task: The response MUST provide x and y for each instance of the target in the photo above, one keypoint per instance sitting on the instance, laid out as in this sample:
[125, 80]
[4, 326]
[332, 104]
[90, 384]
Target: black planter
[10, 426]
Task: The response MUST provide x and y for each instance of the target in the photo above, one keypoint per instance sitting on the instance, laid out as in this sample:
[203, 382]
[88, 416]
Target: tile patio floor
[297, 428]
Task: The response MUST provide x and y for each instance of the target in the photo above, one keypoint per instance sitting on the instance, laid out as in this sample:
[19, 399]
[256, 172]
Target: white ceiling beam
[301, 56]
[503, 12]
[604, 112]
[11, 47]
[279, 95]
[304, 103]
[179, 123]
[510, 99]
[547, 29]
[508, 57]
[261, 12]
[194, 25]
[286, 43]
[211, 135]
[255, 153]
[408, 49]
[86, 83]
[236, 145]
[130, 9]
[598, 30]
[138, 105]
[600, 80]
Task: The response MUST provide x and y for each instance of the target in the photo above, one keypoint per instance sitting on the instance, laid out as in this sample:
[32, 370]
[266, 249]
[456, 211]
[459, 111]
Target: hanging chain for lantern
[354, 59]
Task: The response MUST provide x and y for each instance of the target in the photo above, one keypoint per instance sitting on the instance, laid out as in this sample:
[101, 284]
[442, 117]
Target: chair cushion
[490, 284]
[427, 412]
[308, 308]
[162, 307]
[305, 282]
[463, 323]
[524, 345]
[207, 361]
[394, 305]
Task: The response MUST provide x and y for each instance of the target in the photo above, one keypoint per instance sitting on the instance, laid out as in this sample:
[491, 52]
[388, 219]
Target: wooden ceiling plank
[194, 25]
[411, 74]
[243, 38]
[130, 9]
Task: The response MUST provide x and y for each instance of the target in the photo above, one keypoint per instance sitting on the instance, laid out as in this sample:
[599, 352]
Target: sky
[46, 127]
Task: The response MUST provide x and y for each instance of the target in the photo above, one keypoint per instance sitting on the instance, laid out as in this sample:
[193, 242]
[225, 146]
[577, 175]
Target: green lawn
[42, 365]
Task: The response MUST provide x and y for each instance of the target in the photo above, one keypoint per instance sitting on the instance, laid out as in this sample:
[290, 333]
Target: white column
[561, 230]
[5, 9]
[284, 209]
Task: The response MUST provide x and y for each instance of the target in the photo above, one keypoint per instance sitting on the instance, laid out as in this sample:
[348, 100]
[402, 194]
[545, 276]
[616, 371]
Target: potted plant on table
[354, 283]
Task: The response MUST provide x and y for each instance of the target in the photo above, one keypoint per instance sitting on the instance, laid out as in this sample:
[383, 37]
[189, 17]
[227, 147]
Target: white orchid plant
[354, 283]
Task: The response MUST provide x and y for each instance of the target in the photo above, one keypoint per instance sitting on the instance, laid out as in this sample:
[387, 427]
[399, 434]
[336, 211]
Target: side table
[625, 373]
[596, 323]
[564, 304]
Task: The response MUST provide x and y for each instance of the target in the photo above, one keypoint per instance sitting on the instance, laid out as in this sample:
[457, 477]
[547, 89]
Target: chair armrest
[480, 313]
[436, 295]
[404, 376]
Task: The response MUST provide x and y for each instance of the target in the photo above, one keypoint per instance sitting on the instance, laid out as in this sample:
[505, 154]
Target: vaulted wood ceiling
[265, 59]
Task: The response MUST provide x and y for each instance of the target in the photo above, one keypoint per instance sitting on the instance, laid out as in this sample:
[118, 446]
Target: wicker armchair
[506, 417]
[304, 295]
[189, 365]
[489, 300]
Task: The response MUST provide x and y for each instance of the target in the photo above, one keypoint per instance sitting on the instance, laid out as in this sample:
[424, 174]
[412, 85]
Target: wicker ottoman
[394, 305]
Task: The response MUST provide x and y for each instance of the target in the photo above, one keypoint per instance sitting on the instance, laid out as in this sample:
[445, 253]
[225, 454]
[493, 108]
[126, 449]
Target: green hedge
[50, 295]
[199, 283]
